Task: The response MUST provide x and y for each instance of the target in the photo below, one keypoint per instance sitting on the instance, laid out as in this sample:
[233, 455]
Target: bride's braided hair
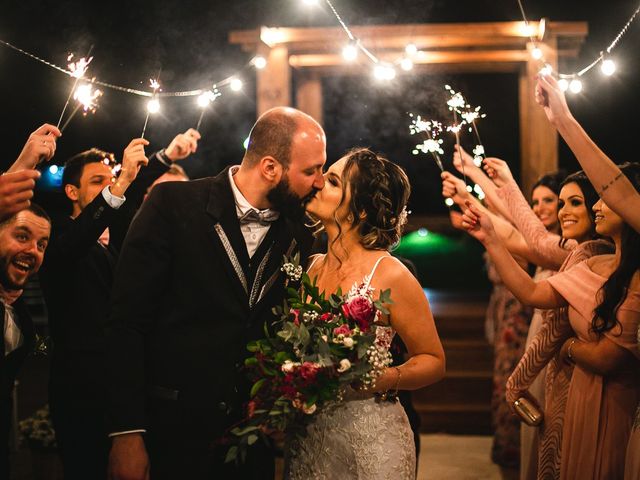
[379, 193]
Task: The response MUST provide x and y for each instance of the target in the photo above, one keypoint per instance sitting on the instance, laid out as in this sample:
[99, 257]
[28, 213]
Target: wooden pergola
[503, 47]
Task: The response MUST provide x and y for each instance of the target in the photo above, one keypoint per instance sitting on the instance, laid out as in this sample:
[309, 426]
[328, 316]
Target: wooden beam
[538, 139]
[309, 94]
[423, 35]
[453, 57]
[274, 81]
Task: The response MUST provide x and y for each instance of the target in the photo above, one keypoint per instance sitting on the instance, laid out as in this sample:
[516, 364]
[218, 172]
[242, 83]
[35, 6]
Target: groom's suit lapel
[224, 230]
[283, 244]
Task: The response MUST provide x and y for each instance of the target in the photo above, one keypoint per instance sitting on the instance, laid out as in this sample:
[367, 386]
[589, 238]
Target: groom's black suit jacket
[186, 301]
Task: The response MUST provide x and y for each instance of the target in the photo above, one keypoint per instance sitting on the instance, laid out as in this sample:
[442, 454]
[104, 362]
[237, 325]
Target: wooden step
[457, 387]
[471, 354]
[460, 419]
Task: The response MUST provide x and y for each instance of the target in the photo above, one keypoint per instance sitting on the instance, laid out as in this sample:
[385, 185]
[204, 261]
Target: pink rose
[362, 311]
[296, 316]
[342, 330]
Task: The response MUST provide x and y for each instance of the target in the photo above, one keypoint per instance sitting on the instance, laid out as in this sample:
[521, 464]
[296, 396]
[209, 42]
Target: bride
[362, 208]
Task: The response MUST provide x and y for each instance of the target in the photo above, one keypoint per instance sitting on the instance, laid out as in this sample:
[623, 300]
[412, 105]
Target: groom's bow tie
[264, 217]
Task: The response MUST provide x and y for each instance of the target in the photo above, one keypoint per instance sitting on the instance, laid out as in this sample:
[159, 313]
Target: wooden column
[538, 139]
[309, 94]
[274, 81]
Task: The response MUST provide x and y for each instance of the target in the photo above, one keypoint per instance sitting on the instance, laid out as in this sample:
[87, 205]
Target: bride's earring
[350, 218]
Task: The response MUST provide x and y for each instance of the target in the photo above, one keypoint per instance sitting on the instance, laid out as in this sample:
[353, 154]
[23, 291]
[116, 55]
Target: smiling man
[23, 240]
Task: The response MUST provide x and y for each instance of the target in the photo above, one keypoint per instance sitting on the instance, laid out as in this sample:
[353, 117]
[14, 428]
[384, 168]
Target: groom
[197, 278]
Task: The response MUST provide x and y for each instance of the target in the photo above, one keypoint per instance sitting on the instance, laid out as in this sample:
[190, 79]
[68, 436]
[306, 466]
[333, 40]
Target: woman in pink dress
[602, 295]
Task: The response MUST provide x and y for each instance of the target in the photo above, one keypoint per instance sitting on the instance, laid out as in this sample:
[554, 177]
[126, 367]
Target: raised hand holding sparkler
[498, 171]
[133, 159]
[40, 147]
[183, 145]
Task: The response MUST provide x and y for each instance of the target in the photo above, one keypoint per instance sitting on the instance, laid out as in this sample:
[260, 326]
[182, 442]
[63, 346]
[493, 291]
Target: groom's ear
[271, 169]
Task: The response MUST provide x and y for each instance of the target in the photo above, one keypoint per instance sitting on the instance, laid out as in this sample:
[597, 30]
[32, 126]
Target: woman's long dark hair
[614, 291]
[590, 198]
[553, 181]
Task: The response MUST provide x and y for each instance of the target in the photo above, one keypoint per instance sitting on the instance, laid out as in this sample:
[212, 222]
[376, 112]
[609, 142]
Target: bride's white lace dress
[358, 438]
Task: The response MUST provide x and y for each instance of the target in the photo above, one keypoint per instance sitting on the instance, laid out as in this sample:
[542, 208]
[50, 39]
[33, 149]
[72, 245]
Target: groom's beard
[287, 202]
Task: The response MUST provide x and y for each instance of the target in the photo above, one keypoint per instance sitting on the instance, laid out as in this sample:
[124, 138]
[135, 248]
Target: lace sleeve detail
[544, 243]
[553, 333]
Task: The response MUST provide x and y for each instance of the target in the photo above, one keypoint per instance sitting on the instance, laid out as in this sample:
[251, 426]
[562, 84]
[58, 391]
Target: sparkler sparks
[79, 68]
[77, 71]
[433, 144]
[87, 98]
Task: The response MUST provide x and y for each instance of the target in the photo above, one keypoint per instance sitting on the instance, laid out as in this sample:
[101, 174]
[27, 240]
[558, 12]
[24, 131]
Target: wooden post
[538, 139]
[274, 81]
[309, 94]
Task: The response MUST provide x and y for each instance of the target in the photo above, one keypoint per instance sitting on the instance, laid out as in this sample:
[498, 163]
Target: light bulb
[406, 64]
[350, 52]
[236, 84]
[575, 86]
[259, 62]
[608, 67]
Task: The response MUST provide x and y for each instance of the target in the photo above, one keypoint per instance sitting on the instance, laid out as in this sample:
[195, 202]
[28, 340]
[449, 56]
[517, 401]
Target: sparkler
[432, 144]
[87, 98]
[470, 115]
[456, 103]
[154, 105]
[204, 100]
[77, 71]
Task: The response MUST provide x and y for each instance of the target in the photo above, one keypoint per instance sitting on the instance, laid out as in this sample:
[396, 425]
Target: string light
[406, 64]
[411, 49]
[350, 52]
[259, 62]
[570, 81]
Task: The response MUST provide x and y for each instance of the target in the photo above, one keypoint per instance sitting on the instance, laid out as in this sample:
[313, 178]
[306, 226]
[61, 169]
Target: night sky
[187, 41]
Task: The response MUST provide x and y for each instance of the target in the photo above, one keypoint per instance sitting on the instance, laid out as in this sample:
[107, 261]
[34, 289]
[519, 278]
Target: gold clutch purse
[528, 412]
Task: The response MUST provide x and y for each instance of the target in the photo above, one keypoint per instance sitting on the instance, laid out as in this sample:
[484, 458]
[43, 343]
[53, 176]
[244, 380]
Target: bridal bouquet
[321, 346]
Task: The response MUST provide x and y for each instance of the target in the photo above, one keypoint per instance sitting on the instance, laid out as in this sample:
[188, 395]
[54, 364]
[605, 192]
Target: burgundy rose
[326, 317]
[308, 371]
[362, 311]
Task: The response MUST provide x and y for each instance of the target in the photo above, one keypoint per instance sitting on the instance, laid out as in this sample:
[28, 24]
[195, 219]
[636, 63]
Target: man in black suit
[23, 240]
[76, 279]
[197, 278]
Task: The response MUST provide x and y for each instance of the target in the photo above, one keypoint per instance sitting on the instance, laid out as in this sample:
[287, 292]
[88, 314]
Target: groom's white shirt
[253, 232]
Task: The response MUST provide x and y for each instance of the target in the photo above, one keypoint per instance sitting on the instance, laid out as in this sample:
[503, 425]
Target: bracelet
[397, 380]
[569, 354]
[605, 187]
